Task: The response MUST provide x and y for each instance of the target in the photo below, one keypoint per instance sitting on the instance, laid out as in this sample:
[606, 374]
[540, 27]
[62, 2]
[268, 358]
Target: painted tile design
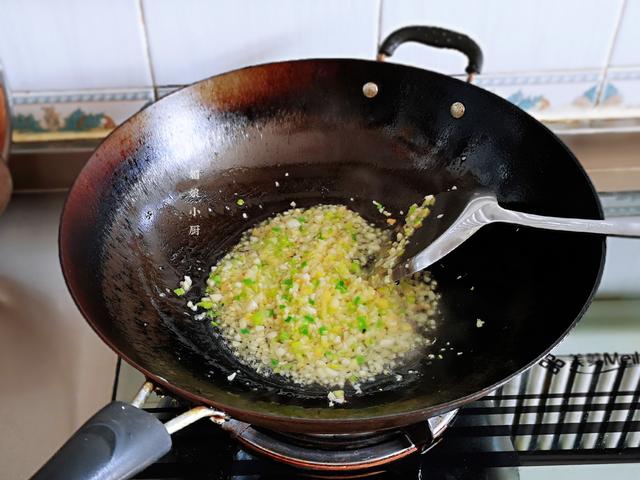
[546, 94]
[73, 115]
[621, 90]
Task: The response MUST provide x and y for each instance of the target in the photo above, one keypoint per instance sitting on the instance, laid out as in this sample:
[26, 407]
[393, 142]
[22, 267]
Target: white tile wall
[72, 44]
[540, 48]
[192, 39]
[627, 50]
[522, 36]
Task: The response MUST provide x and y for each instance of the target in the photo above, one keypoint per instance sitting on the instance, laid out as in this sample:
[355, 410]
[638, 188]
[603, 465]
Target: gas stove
[567, 413]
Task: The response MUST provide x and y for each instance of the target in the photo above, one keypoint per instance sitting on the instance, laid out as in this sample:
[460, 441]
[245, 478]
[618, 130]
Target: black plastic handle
[116, 443]
[435, 37]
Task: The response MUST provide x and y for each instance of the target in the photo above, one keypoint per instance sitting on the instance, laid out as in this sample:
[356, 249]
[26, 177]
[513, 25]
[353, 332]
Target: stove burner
[345, 452]
[584, 411]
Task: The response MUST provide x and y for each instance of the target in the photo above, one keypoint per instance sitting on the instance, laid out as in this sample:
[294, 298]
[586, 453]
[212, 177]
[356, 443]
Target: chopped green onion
[282, 306]
[283, 336]
[301, 219]
[288, 282]
[276, 229]
[257, 318]
[248, 281]
[360, 360]
[312, 301]
[274, 362]
[357, 300]
[323, 330]
[304, 264]
[362, 323]
[240, 202]
[217, 279]
[179, 291]
[245, 331]
[309, 319]
[341, 286]
[207, 305]
[304, 330]
[289, 319]
[271, 312]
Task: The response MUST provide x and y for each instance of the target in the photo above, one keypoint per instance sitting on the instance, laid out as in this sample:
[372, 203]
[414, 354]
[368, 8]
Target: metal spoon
[459, 214]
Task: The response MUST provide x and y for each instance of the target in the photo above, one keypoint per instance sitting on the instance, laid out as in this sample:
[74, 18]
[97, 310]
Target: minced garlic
[295, 296]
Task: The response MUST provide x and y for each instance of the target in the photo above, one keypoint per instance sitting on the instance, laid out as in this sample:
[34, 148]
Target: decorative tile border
[488, 81]
[76, 97]
[166, 90]
[621, 90]
[51, 116]
[540, 94]
[553, 96]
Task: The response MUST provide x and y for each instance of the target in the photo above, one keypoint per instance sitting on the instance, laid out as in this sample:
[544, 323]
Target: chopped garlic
[192, 306]
[336, 396]
[186, 283]
[294, 298]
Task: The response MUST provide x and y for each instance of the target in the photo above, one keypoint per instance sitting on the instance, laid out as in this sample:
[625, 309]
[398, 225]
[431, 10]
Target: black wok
[151, 206]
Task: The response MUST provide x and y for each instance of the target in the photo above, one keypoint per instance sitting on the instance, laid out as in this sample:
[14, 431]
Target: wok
[157, 201]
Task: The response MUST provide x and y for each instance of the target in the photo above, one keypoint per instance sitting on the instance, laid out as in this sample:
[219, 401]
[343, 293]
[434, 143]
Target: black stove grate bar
[610, 407]
[544, 429]
[560, 412]
[627, 428]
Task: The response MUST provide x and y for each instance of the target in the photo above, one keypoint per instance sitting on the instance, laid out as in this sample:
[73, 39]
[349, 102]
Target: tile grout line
[147, 48]
[610, 50]
[379, 29]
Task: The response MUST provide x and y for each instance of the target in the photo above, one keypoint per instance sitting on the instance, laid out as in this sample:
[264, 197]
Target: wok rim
[320, 425]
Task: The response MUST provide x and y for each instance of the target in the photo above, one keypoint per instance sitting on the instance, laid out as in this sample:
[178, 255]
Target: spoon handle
[616, 227]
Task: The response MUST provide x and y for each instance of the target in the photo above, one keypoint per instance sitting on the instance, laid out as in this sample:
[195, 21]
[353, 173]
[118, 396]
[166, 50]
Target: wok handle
[615, 227]
[435, 37]
[116, 443]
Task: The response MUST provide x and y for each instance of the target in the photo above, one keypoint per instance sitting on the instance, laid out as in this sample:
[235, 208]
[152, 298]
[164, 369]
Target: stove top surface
[570, 415]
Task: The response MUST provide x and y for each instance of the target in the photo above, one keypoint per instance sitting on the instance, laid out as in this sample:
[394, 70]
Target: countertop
[54, 370]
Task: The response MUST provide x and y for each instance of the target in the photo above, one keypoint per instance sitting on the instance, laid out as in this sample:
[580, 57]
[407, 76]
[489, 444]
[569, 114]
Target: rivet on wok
[457, 110]
[370, 89]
